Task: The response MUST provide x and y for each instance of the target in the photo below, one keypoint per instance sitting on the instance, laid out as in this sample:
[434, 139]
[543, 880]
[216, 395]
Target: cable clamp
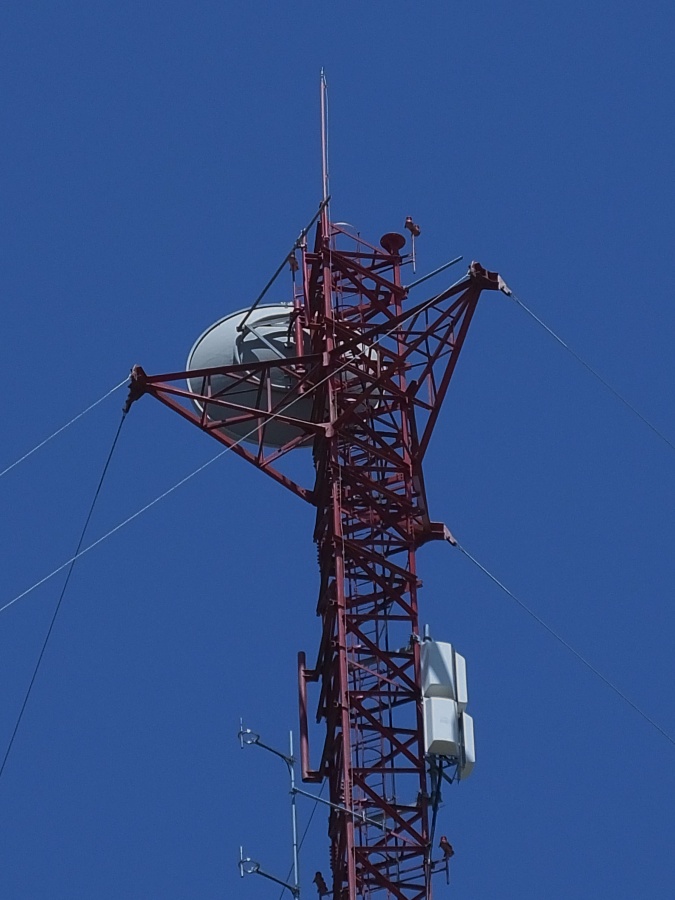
[136, 387]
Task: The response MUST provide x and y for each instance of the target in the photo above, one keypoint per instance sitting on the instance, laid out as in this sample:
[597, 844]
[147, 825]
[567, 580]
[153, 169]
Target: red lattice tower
[377, 368]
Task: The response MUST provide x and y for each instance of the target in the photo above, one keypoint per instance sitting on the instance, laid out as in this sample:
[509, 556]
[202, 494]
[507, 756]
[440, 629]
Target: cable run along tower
[353, 370]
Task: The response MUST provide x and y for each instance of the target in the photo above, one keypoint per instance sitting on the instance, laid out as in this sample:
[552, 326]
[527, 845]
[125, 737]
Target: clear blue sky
[157, 161]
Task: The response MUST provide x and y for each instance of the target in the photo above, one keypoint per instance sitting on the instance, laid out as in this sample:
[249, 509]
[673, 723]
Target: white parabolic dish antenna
[267, 335]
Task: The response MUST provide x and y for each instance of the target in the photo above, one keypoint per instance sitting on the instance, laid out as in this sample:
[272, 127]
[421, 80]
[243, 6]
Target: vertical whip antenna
[324, 135]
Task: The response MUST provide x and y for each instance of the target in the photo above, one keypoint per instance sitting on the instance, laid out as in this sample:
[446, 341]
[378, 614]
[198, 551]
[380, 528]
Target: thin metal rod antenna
[324, 135]
[294, 816]
[435, 272]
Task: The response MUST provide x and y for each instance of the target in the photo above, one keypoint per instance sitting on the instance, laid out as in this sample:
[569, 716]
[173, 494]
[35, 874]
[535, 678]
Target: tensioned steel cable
[593, 372]
[209, 462]
[567, 645]
[63, 427]
[117, 528]
[61, 596]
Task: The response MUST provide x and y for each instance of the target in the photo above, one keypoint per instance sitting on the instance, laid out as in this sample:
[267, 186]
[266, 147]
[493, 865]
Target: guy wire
[568, 646]
[60, 600]
[63, 427]
[593, 372]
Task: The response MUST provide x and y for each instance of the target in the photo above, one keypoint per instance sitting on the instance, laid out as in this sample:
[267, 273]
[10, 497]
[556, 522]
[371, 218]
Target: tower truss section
[377, 367]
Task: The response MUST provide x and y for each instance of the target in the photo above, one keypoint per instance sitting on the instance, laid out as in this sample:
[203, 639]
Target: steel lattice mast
[377, 368]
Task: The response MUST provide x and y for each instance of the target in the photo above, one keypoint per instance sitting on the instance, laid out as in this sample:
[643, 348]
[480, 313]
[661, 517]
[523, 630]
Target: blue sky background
[157, 161]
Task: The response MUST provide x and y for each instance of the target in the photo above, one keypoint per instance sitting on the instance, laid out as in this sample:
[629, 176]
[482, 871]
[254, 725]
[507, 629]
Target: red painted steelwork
[378, 373]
